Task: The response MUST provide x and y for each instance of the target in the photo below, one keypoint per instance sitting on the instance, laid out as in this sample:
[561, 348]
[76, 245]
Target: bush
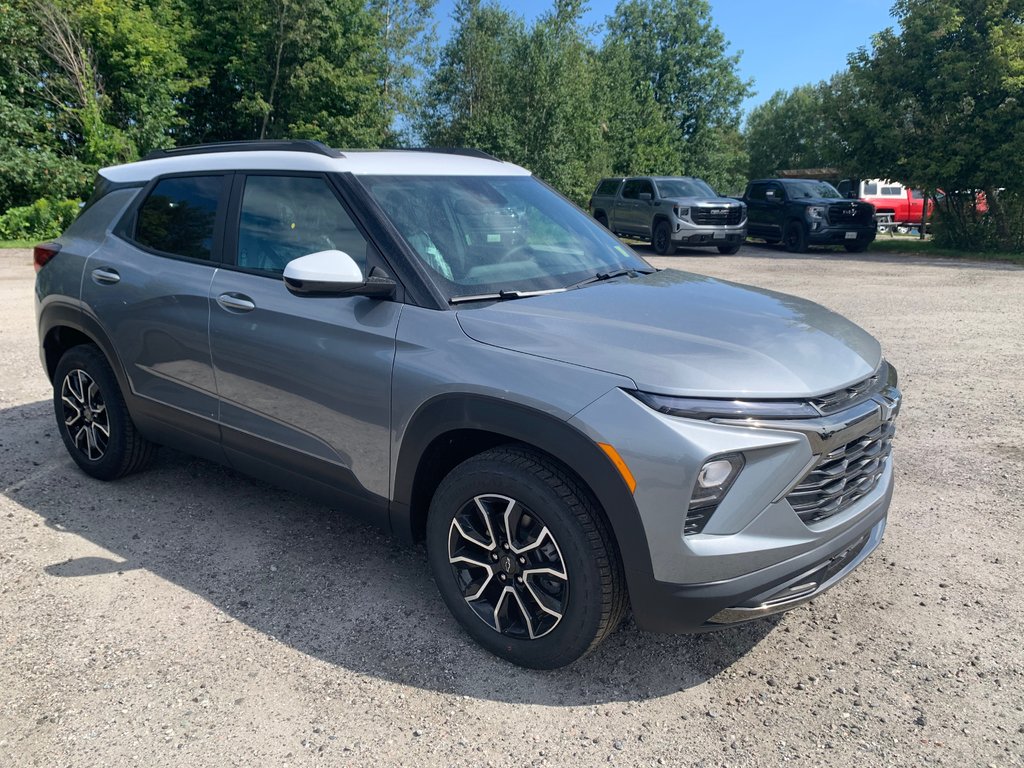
[39, 221]
[962, 221]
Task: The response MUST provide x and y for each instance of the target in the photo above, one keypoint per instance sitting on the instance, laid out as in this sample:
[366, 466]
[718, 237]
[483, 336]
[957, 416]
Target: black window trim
[233, 219]
[126, 227]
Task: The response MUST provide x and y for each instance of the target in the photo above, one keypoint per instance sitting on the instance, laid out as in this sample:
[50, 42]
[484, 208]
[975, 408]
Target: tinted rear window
[179, 215]
[608, 186]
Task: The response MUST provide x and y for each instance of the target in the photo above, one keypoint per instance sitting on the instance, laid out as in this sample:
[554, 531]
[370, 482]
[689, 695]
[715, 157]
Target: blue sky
[785, 43]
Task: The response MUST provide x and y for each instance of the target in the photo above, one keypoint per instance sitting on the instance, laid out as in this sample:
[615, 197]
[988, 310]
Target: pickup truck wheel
[728, 250]
[796, 237]
[523, 560]
[602, 220]
[662, 240]
[93, 419]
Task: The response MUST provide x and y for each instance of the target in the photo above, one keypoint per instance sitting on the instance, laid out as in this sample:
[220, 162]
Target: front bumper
[686, 233]
[837, 235]
[756, 555]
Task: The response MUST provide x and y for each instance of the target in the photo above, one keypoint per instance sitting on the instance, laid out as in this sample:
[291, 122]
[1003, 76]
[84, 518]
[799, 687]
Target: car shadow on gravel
[315, 579]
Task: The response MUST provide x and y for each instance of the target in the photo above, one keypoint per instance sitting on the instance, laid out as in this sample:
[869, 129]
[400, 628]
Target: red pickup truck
[894, 202]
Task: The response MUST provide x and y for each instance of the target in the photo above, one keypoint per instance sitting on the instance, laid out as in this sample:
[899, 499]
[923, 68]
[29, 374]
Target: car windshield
[487, 234]
[685, 188]
[812, 189]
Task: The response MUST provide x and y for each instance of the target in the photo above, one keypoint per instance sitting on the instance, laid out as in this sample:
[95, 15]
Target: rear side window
[892, 191]
[608, 186]
[179, 216]
[870, 189]
[631, 189]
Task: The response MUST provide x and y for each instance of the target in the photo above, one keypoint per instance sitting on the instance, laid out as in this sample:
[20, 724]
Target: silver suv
[438, 342]
[671, 212]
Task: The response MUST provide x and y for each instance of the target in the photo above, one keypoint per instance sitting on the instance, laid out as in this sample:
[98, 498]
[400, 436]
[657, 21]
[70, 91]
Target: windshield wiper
[502, 295]
[600, 276]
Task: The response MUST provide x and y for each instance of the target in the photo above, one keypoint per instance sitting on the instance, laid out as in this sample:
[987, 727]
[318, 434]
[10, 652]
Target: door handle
[105, 275]
[236, 302]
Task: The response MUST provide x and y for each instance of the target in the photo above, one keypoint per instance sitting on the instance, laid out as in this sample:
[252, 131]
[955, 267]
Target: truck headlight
[680, 212]
[815, 212]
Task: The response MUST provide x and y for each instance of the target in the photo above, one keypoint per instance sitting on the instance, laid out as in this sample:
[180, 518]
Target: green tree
[792, 129]
[681, 55]
[34, 163]
[467, 98]
[406, 48]
[939, 104]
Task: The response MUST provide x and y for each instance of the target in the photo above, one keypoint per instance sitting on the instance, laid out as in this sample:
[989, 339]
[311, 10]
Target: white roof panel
[360, 162]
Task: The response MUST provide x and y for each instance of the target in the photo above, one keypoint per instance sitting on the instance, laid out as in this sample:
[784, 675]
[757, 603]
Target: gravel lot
[190, 616]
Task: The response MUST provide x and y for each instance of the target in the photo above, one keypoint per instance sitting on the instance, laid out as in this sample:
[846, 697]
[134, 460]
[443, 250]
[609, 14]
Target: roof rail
[467, 151]
[261, 145]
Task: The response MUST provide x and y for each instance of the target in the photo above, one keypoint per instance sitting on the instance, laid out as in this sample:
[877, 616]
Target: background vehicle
[801, 212]
[446, 347]
[894, 203]
[670, 211]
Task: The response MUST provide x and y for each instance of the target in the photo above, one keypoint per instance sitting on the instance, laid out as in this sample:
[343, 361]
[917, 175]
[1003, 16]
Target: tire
[795, 237]
[662, 240]
[728, 250]
[86, 402]
[494, 589]
[602, 220]
[857, 247]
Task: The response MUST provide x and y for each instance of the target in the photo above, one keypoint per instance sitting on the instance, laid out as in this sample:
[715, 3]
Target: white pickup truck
[670, 212]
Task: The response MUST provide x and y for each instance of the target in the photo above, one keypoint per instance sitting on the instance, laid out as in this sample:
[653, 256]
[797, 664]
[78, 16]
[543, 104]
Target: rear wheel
[795, 237]
[523, 559]
[602, 220]
[93, 419]
[662, 240]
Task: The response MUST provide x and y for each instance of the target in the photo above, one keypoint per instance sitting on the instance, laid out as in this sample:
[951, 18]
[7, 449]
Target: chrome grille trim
[843, 476]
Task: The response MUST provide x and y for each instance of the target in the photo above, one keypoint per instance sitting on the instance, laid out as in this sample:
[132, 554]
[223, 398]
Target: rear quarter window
[608, 187]
[179, 215]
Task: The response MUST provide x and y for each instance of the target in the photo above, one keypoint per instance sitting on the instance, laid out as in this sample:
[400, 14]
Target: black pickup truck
[802, 212]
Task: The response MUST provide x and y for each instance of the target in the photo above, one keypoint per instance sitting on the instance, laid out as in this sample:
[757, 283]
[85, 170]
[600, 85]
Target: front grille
[850, 213]
[843, 476]
[719, 215]
[848, 396]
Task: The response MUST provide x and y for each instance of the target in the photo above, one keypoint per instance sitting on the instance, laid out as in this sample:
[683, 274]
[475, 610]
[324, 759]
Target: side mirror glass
[333, 273]
[646, 197]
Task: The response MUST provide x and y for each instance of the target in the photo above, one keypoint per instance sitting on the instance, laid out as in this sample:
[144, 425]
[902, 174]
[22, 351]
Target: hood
[677, 333]
[715, 202]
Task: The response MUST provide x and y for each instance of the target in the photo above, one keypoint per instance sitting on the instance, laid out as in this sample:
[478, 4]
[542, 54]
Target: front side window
[480, 234]
[284, 217]
[179, 215]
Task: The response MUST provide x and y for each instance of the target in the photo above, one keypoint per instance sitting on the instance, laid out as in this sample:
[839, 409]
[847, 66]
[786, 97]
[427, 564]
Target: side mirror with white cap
[334, 273]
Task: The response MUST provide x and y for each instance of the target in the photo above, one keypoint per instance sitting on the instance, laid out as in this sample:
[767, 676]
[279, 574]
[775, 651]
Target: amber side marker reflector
[619, 465]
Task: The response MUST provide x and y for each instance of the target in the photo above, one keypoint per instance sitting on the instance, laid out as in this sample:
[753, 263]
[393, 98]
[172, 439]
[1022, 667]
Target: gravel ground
[190, 616]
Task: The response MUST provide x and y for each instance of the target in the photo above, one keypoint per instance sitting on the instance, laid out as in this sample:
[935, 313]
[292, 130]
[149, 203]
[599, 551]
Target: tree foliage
[793, 129]
[939, 104]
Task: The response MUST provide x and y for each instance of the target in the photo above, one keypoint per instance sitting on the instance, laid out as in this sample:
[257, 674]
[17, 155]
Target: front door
[304, 381]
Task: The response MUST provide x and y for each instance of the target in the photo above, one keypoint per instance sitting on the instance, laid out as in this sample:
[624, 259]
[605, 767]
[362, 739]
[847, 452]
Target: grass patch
[18, 243]
[916, 247]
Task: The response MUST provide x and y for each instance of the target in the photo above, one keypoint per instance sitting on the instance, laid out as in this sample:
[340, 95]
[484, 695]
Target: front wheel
[523, 559]
[93, 419]
[796, 237]
[662, 240]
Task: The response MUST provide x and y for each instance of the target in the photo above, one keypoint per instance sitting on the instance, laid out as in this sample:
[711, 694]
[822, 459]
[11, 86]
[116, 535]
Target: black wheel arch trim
[518, 423]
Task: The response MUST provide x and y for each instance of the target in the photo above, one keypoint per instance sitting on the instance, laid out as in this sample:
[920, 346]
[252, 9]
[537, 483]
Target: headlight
[707, 408]
[681, 212]
[815, 212]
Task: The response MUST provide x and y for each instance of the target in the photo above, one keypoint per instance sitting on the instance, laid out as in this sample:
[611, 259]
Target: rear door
[627, 207]
[304, 381]
[148, 287]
